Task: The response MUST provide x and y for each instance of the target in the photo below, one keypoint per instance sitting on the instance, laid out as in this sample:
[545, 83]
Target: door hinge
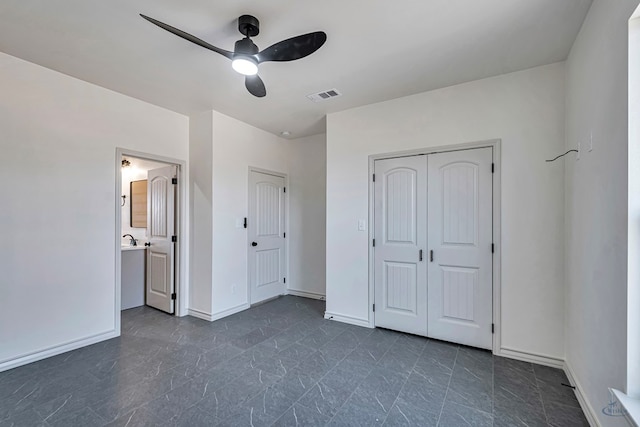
[174, 239]
[174, 180]
[173, 296]
[285, 280]
[374, 177]
[374, 308]
[493, 167]
[374, 243]
[493, 248]
[493, 328]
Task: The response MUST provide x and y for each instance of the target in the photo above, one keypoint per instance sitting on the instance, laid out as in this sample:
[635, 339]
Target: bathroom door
[161, 208]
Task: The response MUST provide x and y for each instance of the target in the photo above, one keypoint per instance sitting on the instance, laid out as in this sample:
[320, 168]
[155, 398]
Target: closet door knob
[254, 243]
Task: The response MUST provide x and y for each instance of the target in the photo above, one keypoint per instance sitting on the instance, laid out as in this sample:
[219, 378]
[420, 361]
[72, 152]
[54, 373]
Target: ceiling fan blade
[293, 48]
[189, 37]
[255, 86]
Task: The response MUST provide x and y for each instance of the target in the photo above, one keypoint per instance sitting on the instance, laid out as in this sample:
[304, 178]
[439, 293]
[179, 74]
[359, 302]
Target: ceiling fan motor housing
[249, 25]
[245, 47]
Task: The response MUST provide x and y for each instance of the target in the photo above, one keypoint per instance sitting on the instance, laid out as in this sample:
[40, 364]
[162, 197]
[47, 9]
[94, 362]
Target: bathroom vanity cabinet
[133, 276]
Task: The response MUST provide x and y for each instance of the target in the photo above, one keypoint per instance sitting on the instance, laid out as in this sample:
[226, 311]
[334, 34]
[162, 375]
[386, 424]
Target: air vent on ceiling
[323, 96]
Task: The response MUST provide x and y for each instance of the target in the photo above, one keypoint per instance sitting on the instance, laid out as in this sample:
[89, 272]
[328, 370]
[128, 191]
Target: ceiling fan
[246, 55]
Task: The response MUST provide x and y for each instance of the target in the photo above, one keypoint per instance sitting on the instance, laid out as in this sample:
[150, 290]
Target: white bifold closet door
[433, 253]
[460, 281]
[400, 238]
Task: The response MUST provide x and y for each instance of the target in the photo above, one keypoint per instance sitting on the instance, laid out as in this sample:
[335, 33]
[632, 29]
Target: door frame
[496, 218]
[181, 248]
[286, 227]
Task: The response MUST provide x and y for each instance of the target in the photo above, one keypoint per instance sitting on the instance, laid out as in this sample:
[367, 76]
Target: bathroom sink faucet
[133, 241]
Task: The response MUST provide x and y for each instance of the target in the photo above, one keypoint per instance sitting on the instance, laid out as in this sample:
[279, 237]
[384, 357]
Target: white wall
[307, 225]
[596, 204]
[236, 147]
[58, 215]
[222, 150]
[201, 211]
[526, 111]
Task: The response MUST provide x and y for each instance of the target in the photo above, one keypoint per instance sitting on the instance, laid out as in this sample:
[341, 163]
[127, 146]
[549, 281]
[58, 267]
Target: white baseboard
[55, 350]
[305, 294]
[347, 319]
[588, 410]
[230, 311]
[525, 356]
[199, 314]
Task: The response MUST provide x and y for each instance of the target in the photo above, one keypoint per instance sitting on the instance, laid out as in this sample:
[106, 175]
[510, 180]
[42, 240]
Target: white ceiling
[376, 49]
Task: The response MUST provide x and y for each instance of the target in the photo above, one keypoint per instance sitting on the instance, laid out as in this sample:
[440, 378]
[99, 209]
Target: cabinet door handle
[431, 255]
[420, 255]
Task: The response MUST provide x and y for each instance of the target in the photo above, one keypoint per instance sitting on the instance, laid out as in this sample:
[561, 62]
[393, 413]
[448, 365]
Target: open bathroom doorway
[150, 231]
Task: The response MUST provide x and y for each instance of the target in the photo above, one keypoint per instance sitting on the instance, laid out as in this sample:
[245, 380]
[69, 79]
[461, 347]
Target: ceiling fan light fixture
[246, 56]
[245, 65]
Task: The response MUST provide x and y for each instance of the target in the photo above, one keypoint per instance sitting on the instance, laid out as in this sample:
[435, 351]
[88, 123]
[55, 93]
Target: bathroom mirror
[138, 194]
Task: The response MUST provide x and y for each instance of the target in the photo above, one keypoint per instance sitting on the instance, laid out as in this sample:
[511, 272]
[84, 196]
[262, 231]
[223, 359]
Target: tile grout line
[296, 342]
[406, 381]
[544, 410]
[251, 396]
[444, 401]
[264, 391]
[317, 382]
[354, 390]
[465, 405]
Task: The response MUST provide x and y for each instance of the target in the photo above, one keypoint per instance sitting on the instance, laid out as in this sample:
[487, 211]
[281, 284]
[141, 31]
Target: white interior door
[400, 221]
[266, 230]
[460, 236]
[160, 230]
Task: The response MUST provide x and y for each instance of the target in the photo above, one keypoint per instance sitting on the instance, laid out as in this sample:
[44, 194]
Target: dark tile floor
[280, 364]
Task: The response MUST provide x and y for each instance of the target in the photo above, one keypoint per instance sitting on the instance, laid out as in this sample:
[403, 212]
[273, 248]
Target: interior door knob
[147, 244]
[254, 243]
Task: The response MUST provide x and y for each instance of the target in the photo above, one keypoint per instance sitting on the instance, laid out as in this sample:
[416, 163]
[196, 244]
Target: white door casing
[265, 231]
[400, 213]
[460, 235]
[160, 283]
